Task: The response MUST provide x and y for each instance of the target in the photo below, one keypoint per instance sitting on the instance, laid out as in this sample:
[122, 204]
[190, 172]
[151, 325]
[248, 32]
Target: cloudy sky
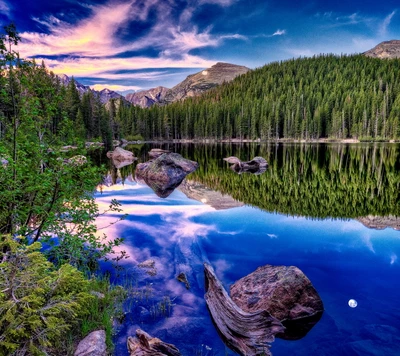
[138, 44]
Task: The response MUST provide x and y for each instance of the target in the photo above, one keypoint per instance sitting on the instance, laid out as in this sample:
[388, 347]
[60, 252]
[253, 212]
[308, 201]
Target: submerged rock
[181, 277]
[93, 345]
[165, 173]
[247, 333]
[257, 165]
[150, 267]
[285, 292]
[144, 344]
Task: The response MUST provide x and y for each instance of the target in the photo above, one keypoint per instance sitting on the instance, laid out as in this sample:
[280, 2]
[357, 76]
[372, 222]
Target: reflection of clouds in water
[393, 258]
[220, 267]
[366, 238]
[272, 236]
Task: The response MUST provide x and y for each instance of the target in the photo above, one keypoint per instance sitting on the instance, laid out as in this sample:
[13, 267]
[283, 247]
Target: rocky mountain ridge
[147, 98]
[386, 49]
[195, 84]
[105, 95]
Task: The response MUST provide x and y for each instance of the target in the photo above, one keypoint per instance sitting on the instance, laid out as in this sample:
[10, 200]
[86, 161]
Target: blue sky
[139, 44]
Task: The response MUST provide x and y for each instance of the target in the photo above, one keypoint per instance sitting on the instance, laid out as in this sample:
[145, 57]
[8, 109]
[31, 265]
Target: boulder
[120, 155]
[247, 333]
[93, 345]
[144, 344]
[165, 173]
[285, 292]
[257, 165]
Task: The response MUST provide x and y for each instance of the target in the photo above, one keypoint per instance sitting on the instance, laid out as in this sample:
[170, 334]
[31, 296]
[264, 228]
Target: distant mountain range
[105, 95]
[193, 85]
[198, 83]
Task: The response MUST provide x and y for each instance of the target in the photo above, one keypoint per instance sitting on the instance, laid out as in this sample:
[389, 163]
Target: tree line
[325, 96]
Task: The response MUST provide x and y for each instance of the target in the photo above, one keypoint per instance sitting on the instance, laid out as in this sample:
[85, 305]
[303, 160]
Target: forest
[325, 96]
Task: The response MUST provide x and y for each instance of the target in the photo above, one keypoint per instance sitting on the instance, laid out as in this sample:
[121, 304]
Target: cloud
[93, 46]
[279, 33]
[5, 8]
[114, 87]
[385, 23]
[218, 2]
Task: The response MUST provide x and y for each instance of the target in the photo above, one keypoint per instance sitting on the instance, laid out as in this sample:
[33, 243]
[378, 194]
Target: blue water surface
[343, 259]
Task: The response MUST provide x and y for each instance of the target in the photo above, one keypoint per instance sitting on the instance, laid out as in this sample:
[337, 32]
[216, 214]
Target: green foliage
[304, 99]
[38, 303]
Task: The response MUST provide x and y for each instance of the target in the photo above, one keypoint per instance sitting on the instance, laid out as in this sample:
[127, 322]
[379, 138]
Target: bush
[38, 303]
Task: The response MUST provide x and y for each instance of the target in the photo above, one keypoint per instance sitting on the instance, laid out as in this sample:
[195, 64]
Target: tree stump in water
[145, 345]
[246, 333]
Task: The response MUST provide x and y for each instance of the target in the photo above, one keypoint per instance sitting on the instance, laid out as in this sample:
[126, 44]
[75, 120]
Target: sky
[130, 45]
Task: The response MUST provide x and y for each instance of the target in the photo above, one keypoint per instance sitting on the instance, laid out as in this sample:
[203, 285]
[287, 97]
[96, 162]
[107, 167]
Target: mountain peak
[386, 49]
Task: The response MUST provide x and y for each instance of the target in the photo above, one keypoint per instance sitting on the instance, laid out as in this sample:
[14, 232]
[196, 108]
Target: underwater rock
[93, 345]
[285, 292]
[144, 344]
[150, 266]
[157, 152]
[246, 333]
[257, 165]
[181, 277]
[165, 173]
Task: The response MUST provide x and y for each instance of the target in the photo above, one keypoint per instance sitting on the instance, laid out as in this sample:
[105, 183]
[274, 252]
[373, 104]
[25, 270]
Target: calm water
[313, 208]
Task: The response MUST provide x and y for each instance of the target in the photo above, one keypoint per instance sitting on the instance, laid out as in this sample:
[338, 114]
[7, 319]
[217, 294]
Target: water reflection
[344, 259]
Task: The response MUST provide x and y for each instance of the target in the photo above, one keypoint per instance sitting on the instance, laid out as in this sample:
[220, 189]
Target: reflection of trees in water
[317, 180]
[314, 180]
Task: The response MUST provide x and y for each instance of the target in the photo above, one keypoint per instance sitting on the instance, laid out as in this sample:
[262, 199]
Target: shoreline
[238, 141]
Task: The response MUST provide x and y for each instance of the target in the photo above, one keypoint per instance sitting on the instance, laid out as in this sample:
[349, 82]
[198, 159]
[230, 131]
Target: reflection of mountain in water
[206, 195]
[380, 222]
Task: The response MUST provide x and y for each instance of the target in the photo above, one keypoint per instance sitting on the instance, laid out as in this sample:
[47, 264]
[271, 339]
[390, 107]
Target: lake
[332, 210]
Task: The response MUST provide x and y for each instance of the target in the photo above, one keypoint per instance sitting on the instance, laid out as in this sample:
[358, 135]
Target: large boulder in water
[285, 292]
[165, 173]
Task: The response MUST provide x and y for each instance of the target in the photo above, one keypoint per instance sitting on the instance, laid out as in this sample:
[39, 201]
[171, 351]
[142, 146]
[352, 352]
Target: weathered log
[246, 333]
[145, 345]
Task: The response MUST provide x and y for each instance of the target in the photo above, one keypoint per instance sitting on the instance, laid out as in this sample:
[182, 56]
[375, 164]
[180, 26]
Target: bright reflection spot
[352, 303]
[393, 259]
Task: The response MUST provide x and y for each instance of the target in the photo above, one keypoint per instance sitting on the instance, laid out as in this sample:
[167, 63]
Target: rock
[149, 265]
[116, 143]
[285, 292]
[182, 278]
[165, 173]
[120, 155]
[76, 160]
[144, 344]
[157, 152]
[200, 192]
[245, 333]
[68, 148]
[257, 165]
[380, 222]
[93, 345]
[147, 98]
[94, 144]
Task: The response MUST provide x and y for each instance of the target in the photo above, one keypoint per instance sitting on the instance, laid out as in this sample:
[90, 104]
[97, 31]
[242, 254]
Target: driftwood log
[145, 345]
[245, 333]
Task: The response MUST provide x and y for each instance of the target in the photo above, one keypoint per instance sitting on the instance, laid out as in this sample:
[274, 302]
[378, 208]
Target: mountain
[147, 98]
[200, 82]
[105, 95]
[387, 49]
